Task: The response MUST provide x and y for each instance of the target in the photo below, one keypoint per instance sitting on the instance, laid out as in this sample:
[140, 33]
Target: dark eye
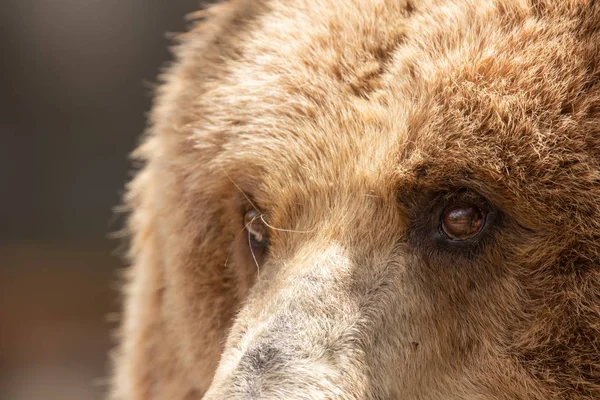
[462, 221]
[257, 231]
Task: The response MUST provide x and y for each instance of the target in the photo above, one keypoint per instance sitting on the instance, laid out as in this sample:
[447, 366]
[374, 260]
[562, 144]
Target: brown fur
[348, 123]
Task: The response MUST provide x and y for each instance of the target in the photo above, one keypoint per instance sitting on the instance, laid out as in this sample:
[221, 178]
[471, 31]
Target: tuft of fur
[347, 124]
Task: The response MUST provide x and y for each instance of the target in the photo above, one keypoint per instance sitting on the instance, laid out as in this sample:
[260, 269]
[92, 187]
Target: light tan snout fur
[370, 199]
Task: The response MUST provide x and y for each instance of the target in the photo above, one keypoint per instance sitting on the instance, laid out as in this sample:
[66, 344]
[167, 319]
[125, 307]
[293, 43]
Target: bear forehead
[507, 104]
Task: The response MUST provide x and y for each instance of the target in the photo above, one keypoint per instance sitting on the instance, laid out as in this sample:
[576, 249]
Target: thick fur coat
[347, 132]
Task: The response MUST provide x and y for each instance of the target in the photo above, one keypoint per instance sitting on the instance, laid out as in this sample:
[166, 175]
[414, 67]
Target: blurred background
[75, 85]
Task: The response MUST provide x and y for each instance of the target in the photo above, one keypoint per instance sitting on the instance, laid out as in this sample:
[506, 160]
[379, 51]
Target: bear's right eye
[258, 234]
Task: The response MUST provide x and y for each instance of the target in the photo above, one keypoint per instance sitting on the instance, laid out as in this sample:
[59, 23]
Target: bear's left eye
[462, 221]
[258, 235]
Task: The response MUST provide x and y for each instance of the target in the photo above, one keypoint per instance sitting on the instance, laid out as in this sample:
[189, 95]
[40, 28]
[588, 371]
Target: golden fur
[348, 124]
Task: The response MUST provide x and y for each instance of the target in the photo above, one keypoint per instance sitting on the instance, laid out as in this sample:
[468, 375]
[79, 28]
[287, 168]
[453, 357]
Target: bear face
[370, 200]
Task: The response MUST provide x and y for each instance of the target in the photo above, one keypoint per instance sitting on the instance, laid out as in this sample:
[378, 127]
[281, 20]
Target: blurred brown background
[74, 89]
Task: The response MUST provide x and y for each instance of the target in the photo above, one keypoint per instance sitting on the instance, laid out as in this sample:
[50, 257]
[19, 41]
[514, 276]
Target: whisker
[252, 251]
[256, 208]
[245, 226]
[281, 229]
[238, 188]
[237, 236]
[233, 244]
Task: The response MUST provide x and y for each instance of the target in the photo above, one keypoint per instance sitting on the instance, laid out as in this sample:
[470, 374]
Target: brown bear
[370, 199]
